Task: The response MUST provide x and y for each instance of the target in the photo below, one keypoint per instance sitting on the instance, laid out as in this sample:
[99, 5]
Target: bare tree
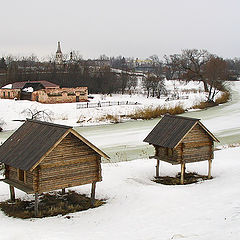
[193, 62]
[172, 67]
[157, 65]
[124, 76]
[152, 84]
[103, 57]
[76, 55]
[132, 82]
[233, 68]
[146, 85]
[161, 88]
[215, 74]
[35, 114]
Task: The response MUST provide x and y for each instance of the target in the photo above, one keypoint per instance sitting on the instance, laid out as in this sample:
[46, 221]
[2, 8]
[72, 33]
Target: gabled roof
[170, 130]
[30, 143]
[46, 84]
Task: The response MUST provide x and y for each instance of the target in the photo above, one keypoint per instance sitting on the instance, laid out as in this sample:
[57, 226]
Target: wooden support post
[157, 168]
[209, 168]
[12, 193]
[36, 205]
[182, 172]
[93, 193]
[63, 191]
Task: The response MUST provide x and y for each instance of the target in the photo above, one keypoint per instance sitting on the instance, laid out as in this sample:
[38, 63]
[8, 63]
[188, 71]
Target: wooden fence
[104, 104]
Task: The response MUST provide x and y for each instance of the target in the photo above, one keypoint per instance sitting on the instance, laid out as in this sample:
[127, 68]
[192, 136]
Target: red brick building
[44, 92]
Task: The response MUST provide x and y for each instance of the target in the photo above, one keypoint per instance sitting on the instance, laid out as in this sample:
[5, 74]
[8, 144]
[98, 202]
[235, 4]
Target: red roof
[46, 84]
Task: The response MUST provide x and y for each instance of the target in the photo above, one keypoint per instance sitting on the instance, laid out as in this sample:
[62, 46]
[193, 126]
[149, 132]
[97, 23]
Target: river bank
[124, 141]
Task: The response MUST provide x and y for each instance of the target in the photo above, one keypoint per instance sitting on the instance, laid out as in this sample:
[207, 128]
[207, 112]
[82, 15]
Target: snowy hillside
[136, 207]
[140, 209]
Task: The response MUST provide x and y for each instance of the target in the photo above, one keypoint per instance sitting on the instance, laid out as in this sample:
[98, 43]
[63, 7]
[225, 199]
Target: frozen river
[124, 141]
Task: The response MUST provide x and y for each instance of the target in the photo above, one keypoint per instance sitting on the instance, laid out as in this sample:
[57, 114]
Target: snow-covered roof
[28, 89]
[9, 86]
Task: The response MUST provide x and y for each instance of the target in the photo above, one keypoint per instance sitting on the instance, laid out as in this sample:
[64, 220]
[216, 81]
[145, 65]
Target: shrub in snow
[36, 114]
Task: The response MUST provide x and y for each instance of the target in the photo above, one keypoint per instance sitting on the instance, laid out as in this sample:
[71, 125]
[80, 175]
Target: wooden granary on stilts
[181, 140]
[42, 156]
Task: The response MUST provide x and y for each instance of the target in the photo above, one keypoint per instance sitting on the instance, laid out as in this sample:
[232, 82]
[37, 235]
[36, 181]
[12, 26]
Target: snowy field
[139, 209]
[136, 207]
[68, 114]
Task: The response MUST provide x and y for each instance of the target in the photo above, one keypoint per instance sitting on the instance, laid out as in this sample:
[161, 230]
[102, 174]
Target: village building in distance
[43, 92]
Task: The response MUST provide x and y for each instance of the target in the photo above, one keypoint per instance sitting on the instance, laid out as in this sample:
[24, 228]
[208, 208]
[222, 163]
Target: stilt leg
[182, 172]
[157, 168]
[63, 191]
[209, 168]
[93, 193]
[36, 205]
[12, 193]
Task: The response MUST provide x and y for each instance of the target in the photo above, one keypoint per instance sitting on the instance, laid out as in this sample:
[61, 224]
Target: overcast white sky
[131, 28]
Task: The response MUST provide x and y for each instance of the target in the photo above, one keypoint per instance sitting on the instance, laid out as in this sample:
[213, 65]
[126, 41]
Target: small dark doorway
[26, 95]
[77, 98]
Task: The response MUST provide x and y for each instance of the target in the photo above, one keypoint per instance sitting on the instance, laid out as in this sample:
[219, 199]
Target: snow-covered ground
[140, 209]
[68, 113]
[136, 207]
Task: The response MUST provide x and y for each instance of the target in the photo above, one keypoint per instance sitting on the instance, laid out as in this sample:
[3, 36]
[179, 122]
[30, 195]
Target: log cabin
[181, 140]
[42, 156]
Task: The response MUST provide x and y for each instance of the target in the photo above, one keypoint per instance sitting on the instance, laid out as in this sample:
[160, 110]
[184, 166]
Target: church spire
[58, 58]
[59, 48]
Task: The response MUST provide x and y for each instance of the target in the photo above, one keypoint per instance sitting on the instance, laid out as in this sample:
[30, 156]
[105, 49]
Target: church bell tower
[59, 56]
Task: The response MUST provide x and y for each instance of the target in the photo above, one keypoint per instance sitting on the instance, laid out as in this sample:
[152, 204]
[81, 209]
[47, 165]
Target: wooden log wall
[196, 146]
[168, 155]
[13, 175]
[71, 163]
[29, 178]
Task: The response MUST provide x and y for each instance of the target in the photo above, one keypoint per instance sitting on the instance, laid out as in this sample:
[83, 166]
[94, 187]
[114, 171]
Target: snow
[9, 86]
[140, 209]
[68, 114]
[136, 207]
[28, 89]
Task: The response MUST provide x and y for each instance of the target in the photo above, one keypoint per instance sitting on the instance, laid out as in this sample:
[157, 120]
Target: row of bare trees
[99, 75]
[199, 65]
[98, 79]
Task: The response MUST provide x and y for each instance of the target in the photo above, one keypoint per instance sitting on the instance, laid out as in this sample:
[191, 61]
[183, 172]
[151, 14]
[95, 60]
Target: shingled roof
[170, 130]
[29, 143]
